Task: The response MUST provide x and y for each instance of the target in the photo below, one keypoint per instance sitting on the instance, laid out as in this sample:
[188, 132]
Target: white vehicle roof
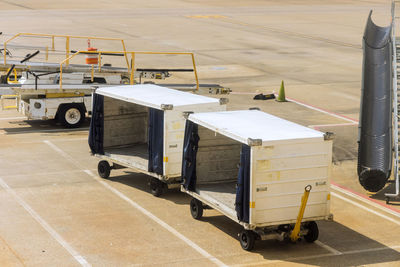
[244, 124]
[154, 96]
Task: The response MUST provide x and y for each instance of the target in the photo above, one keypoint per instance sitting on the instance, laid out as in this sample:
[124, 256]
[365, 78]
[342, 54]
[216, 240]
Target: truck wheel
[104, 169]
[247, 239]
[313, 232]
[71, 116]
[156, 187]
[196, 209]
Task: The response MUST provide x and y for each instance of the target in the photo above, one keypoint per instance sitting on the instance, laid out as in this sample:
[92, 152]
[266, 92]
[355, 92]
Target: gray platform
[134, 155]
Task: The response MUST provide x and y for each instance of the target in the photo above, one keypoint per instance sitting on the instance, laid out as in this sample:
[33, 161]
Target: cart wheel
[247, 239]
[196, 209]
[71, 115]
[104, 169]
[156, 187]
[313, 232]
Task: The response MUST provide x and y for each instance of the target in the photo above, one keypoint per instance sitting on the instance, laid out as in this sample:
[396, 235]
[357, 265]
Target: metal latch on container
[223, 101]
[186, 114]
[167, 106]
[329, 136]
[254, 142]
[320, 183]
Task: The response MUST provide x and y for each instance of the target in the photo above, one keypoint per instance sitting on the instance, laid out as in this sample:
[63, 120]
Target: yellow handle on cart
[295, 233]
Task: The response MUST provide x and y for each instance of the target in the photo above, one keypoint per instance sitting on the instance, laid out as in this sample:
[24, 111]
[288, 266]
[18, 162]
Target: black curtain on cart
[190, 147]
[96, 131]
[156, 140]
[242, 202]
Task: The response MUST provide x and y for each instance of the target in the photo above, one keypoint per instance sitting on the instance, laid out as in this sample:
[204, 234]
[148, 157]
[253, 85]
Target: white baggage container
[142, 127]
[254, 167]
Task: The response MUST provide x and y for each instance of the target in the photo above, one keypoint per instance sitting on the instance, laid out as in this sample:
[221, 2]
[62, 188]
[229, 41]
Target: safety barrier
[131, 68]
[67, 42]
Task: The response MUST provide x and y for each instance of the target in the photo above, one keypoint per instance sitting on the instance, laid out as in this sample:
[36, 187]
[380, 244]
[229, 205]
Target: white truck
[70, 105]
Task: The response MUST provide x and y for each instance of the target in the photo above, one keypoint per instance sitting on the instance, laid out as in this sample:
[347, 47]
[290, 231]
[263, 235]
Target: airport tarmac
[55, 210]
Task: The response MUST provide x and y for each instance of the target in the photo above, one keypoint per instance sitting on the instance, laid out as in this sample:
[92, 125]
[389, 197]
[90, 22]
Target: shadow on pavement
[356, 249]
[141, 181]
[47, 126]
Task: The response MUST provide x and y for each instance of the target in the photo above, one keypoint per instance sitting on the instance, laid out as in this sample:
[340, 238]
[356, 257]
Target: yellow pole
[126, 56]
[52, 43]
[67, 49]
[47, 53]
[60, 82]
[195, 72]
[132, 81]
[295, 233]
[99, 61]
[92, 79]
[5, 53]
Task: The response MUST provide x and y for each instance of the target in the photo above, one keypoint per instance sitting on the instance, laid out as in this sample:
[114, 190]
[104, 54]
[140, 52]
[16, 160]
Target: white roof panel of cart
[247, 125]
[155, 96]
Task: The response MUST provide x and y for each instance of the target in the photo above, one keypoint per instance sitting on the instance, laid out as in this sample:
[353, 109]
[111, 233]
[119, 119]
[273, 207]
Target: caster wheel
[387, 200]
[247, 239]
[196, 209]
[313, 232]
[156, 187]
[104, 169]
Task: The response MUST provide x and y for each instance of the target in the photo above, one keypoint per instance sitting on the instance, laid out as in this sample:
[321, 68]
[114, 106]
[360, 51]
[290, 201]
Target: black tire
[104, 169]
[196, 209]
[156, 187]
[247, 239]
[313, 232]
[71, 115]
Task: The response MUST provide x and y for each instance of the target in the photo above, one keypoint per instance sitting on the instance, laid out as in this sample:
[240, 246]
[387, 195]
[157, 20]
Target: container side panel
[290, 213]
[124, 123]
[218, 157]
[279, 175]
[174, 132]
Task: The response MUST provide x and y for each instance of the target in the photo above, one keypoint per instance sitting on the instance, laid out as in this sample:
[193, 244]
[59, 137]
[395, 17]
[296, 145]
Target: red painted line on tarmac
[317, 127]
[365, 197]
[324, 110]
[334, 114]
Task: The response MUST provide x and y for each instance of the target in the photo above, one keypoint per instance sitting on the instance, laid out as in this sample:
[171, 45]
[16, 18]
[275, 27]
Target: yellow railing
[131, 68]
[67, 42]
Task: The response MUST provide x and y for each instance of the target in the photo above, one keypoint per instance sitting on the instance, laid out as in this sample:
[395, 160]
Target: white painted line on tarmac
[57, 140]
[312, 257]
[12, 118]
[62, 153]
[369, 202]
[365, 208]
[330, 249]
[47, 131]
[140, 208]
[158, 220]
[322, 110]
[45, 225]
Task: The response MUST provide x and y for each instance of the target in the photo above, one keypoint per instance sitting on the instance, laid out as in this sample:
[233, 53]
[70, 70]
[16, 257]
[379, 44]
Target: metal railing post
[195, 72]
[132, 78]
[67, 50]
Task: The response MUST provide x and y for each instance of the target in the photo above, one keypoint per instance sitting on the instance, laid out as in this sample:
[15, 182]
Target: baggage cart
[142, 127]
[263, 172]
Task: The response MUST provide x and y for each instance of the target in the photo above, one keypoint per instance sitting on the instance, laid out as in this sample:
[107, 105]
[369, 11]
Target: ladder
[396, 95]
